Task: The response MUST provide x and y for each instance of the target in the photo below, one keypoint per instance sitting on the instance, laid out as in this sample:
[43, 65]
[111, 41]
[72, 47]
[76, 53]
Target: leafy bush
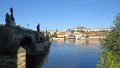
[110, 57]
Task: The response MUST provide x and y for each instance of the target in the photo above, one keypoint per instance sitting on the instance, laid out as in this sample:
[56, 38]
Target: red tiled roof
[61, 33]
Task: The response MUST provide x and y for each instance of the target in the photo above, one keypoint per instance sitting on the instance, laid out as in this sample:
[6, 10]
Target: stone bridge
[12, 37]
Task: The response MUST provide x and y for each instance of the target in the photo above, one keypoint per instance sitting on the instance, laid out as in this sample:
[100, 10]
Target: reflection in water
[73, 54]
[62, 54]
[21, 60]
[78, 42]
[36, 61]
[87, 42]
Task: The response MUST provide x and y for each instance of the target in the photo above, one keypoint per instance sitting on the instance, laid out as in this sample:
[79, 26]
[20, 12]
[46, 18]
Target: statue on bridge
[7, 18]
[38, 28]
[10, 21]
[11, 10]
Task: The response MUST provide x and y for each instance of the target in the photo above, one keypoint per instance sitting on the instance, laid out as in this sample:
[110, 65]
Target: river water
[72, 54]
[62, 54]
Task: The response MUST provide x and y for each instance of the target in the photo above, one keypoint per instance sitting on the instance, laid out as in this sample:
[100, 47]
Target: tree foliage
[110, 57]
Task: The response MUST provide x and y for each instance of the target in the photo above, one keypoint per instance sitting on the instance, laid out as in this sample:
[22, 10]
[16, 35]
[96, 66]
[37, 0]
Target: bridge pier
[21, 58]
[14, 60]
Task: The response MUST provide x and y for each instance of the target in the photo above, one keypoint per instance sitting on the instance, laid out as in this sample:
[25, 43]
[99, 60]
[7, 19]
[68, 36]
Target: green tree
[72, 31]
[87, 36]
[110, 57]
[55, 34]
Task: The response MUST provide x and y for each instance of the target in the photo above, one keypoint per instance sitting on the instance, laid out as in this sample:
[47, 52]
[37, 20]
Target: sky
[61, 14]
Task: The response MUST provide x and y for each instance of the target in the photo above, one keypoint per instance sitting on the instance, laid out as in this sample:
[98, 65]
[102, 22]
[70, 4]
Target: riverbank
[75, 39]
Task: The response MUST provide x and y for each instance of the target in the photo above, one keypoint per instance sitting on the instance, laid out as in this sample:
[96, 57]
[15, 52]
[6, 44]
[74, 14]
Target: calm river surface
[72, 54]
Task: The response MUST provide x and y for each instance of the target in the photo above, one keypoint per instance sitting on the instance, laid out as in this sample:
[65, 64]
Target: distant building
[78, 36]
[83, 29]
[78, 29]
[94, 34]
[2, 25]
[61, 35]
[52, 31]
[98, 29]
[71, 37]
[81, 32]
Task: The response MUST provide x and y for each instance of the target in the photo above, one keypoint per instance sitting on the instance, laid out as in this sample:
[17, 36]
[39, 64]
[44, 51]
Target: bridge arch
[26, 41]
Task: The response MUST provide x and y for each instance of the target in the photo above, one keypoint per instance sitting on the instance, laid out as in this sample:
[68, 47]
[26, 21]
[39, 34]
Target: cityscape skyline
[62, 14]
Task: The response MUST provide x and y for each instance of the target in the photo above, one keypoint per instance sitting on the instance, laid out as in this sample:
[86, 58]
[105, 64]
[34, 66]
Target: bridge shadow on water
[36, 61]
